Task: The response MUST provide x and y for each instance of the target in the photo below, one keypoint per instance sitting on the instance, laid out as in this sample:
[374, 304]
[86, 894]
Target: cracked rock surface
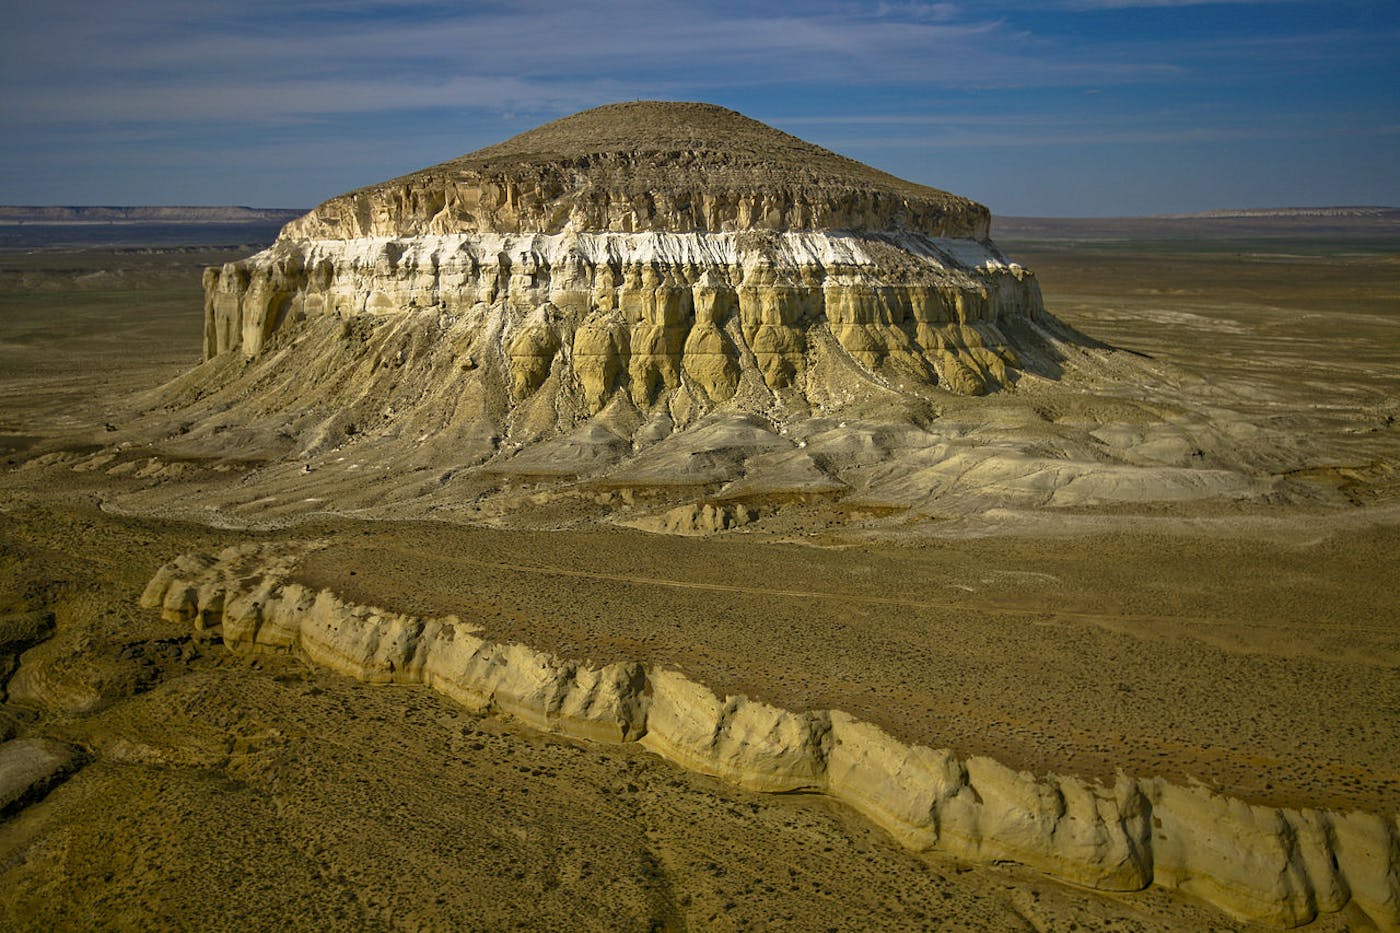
[1259, 864]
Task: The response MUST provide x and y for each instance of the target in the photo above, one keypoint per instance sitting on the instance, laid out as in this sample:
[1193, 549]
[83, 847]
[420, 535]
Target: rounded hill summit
[647, 166]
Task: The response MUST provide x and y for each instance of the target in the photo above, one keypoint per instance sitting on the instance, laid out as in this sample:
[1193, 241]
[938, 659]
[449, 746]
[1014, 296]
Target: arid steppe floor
[1249, 646]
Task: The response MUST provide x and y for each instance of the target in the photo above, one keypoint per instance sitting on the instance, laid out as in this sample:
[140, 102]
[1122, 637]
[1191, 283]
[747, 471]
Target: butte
[644, 294]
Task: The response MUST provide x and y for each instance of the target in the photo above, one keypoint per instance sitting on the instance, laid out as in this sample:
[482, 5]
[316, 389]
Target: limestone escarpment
[144, 215]
[1266, 864]
[660, 250]
[817, 339]
[651, 314]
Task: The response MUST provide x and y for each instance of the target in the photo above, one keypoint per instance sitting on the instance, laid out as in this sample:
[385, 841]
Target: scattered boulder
[700, 519]
[30, 767]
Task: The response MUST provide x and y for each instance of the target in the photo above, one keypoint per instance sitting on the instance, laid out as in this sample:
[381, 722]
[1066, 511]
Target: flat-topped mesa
[671, 255]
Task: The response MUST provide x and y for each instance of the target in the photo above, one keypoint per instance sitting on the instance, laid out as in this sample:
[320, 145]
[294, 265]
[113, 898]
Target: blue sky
[1054, 108]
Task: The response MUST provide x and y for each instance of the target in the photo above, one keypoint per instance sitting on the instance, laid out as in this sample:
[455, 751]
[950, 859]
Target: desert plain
[1246, 643]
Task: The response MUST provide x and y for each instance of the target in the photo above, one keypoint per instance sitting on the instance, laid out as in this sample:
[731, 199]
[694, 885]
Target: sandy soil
[1256, 667]
[1252, 647]
[260, 793]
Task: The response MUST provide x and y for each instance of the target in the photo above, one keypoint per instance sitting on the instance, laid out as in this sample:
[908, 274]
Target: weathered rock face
[645, 166]
[660, 297]
[657, 251]
[646, 313]
[1261, 864]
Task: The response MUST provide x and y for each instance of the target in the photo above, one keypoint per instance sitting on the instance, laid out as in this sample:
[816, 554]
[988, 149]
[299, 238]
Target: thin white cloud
[159, 61]
[1089, 138]
[266, 88]
[255, 102]
[1089, 5]
[918, 11]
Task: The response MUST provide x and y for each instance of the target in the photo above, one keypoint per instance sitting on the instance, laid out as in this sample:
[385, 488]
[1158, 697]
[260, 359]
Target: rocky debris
[73, 675]
[701, 518]
[1260, 864]
[29, 767]
[18, 632]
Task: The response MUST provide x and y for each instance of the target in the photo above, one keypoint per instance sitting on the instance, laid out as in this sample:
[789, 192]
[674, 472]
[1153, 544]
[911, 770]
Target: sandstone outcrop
[699, 519]
[664, 253]
[648, 312]
[667, 298]
[1260, 864]
[29, 767]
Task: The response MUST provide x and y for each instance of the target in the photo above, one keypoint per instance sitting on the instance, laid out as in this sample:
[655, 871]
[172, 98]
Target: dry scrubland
[1249, 645]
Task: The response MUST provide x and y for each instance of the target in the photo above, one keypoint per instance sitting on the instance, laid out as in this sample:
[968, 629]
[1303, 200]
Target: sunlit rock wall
[641, 312]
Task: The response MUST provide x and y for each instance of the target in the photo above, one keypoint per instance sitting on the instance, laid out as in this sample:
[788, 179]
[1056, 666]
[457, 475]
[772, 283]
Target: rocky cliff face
[660, 297]
[652, 250]
[650, 313]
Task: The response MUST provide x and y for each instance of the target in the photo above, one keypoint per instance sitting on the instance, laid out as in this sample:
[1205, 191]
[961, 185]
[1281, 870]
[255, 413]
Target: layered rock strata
[645, 313]
[661, 253]
[1259, 864]
[645, 165]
